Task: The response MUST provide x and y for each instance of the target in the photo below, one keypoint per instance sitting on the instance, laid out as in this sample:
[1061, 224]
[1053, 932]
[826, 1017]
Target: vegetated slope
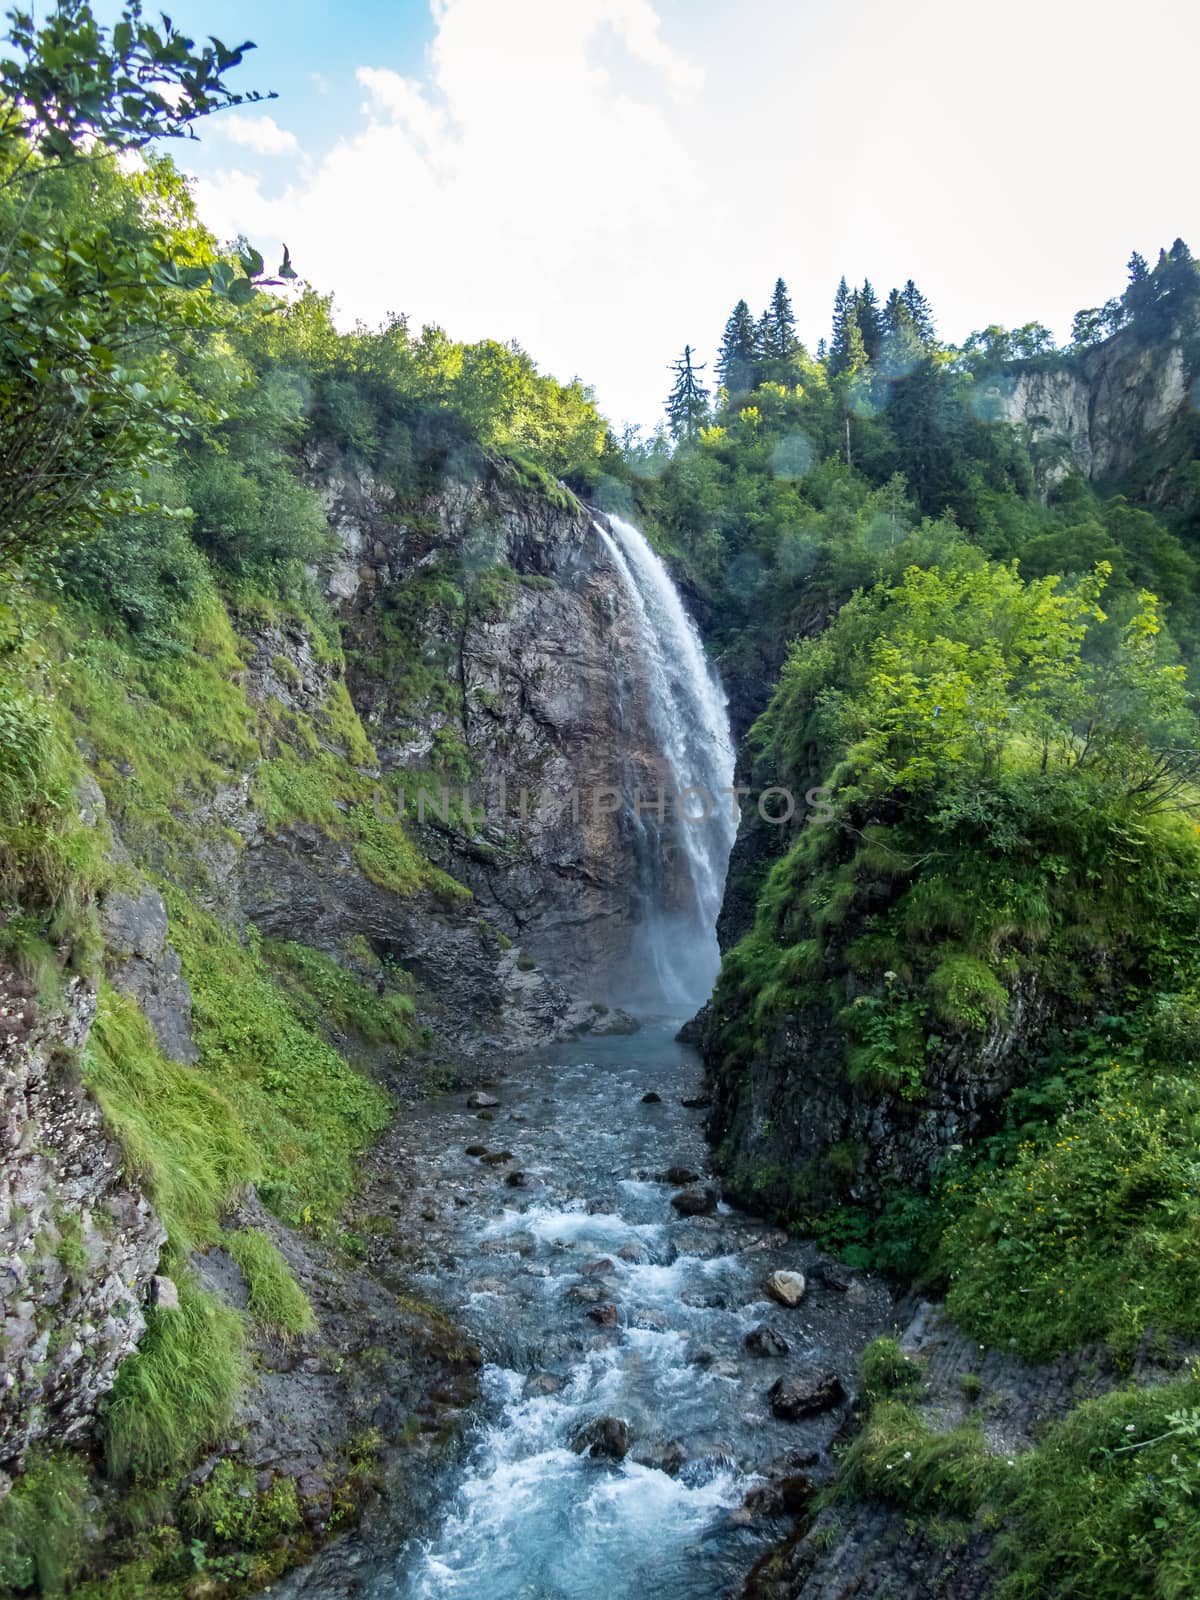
[957, 1025]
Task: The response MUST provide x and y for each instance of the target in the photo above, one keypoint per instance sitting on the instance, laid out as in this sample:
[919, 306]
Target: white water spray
[687, 708]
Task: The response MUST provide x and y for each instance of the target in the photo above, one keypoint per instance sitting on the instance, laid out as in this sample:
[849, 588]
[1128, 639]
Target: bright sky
[602, 179]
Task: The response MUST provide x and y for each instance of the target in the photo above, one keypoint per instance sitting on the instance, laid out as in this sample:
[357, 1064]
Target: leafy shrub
[43, 1524]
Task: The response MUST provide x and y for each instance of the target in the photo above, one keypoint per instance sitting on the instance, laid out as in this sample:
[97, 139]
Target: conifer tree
[687, 403]
[869, 323]
[781, 325]
[920, 311]
[844, 318]
[738, 358]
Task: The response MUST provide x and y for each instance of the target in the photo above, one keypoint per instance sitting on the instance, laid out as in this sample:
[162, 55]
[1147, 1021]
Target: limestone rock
[786, 1287]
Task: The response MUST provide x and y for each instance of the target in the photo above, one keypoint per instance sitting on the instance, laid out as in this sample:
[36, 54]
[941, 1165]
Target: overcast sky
[601, 179]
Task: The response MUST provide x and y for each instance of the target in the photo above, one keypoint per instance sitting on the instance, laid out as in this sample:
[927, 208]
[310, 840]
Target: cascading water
[687, 713]
[598, 1302]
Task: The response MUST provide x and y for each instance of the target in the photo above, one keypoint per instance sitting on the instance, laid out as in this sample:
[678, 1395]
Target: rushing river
[592, 1297]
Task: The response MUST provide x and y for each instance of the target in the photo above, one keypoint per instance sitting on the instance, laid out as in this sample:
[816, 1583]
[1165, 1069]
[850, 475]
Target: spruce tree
[920, 311]
[843, 315]
[781, 324]
[901, 347]
[738, 359]
[869, 323]
[687, 403]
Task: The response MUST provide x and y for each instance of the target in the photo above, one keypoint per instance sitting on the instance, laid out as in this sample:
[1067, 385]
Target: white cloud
[602, 179]
[261, 134]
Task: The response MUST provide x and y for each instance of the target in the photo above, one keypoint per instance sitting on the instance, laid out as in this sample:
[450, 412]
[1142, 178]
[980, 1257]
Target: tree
[847, 351]
[687, 403]
[781, 341]
[88, 314]
[920, 311]
[739, 353]
[870, 325]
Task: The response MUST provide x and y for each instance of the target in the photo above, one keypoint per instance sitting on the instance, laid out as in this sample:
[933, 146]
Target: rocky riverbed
[663, 1376]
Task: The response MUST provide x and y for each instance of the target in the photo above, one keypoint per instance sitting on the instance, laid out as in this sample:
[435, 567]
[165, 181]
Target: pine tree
[867, 308]
[738, 358]
[687, 403]
[822, 349]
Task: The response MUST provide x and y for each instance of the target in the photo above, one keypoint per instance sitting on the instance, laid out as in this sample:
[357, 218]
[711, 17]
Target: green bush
[43, 1523]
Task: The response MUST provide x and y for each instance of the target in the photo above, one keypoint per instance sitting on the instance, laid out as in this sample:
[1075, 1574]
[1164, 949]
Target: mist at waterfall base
[673, 958]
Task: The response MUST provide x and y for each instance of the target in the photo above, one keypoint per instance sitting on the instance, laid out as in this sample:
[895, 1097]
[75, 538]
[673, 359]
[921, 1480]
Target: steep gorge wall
[486, 637]
[1096, 411]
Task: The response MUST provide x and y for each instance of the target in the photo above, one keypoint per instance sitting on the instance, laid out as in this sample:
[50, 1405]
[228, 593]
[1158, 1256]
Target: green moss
[966, 993]
[277, 1301]
[324, 992]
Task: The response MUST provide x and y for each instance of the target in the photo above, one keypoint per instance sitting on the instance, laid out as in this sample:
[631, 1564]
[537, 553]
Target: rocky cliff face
[492, 648]
[1092, 413]
[793, 1130]
[79, 1242]
[488, 644]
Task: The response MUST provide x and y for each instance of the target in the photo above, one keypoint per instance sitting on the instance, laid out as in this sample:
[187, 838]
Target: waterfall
[677, 943]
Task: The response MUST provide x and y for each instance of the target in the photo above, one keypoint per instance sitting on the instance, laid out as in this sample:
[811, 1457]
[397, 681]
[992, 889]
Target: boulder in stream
[479, 1100]
[604, 1439]
[786, 1287]
[805, 1396]
[695, 1202]
[764, 1341]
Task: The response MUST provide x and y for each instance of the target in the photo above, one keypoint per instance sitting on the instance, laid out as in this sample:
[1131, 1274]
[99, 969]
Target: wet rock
[604, 1439]
[650, 1319]
[835, 1276]
[316, 1501]
[666, 1456]
[702, 1356]
[478, 1100]
[598, 1268]
[585, 1294]
[612, 1022]
[651, 1099]
[788, 1496]
[786, 1287]
[633, 1252]
[723, 1368]
[604, 1315]
[521, 1180]
[541, 1383]
[596, 1208]
[764, 1341]
[797, 1397]
[695, 1202]
[696, 1103]
[487, 1116]
[477, 1150]
[678, 1176]
[712, 1301]
[497, 1158]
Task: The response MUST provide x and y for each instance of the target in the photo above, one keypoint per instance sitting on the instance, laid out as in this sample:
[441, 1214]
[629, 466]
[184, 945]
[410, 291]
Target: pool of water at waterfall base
[526, 1270]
